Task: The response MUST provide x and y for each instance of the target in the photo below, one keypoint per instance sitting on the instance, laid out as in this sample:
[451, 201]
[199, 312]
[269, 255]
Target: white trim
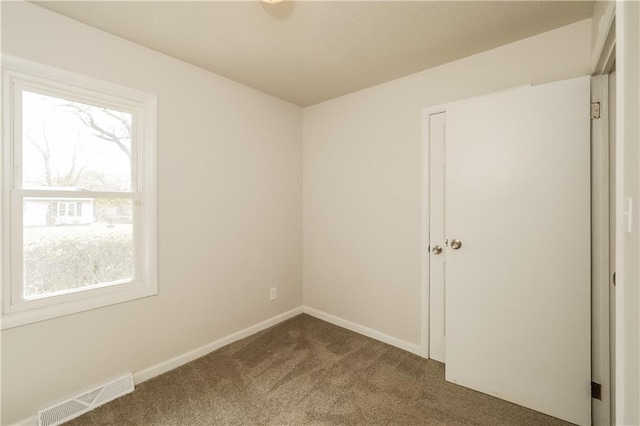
[17, 319]
[603, 57]
[603, 51]
[365, 331]
[39, 72]
[82, 194]
[627, 374]
[424, 252]
[29, 421]
[424, 241]
[177, 361]
[600, 241]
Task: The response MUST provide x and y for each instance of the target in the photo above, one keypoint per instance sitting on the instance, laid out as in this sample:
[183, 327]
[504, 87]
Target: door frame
[600, 249]
[603, 352]
[424, 252]
[627, 239]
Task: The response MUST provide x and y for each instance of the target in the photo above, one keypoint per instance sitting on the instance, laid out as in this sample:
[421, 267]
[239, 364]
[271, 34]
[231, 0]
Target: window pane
[66, 253]
[70, 145]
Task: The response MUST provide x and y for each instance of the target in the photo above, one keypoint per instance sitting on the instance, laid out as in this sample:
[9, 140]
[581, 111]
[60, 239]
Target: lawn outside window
[79, 193]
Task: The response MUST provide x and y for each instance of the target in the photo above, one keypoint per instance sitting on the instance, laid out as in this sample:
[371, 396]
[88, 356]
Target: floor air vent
[80, 404]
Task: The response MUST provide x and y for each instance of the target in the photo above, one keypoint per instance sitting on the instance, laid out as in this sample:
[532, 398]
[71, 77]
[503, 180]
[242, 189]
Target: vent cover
[80, 404]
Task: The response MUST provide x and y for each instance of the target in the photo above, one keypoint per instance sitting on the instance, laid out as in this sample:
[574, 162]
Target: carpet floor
[305, 371]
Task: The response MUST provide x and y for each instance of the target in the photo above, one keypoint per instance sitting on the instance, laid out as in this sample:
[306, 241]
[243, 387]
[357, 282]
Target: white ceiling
[306, 52]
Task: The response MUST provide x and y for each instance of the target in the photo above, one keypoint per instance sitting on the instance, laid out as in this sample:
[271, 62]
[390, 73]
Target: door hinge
[596, 391]
[595, 110]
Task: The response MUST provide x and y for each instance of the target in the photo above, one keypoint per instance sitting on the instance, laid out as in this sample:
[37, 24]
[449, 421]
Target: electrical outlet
[273, 293]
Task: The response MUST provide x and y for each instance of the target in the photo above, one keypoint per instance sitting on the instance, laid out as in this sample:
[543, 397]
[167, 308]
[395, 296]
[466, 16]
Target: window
[69, 209]
[79, 195]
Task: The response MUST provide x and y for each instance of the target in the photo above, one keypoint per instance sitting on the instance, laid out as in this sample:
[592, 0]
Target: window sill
[25, 317]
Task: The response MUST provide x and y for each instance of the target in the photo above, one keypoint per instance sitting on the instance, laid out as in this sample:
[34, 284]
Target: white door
[518, 288]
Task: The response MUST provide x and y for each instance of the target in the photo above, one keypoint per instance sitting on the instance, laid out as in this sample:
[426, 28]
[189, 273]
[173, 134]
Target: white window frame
[20, 74]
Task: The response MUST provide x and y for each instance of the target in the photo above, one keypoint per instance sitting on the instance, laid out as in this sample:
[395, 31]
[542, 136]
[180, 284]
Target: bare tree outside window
[118, 132]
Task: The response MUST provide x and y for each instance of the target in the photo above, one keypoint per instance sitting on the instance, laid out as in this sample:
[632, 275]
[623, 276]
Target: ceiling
[306, 52]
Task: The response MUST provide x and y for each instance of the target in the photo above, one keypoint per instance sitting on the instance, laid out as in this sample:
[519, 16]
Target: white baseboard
[29, 421]
[175, 362]
[365, 331]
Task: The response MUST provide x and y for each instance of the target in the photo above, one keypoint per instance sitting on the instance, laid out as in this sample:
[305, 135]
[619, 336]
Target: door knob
[436, 250]
[456, 244]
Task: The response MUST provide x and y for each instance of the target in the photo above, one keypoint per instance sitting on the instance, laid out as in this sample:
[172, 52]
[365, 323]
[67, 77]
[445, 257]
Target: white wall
[628, 186]
[229, 214]
[362, 176]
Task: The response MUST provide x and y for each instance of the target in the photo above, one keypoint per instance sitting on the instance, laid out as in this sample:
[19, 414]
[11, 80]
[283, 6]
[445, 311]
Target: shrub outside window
[79, 194]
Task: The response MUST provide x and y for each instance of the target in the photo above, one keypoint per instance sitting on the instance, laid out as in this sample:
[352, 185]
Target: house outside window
[72, 212]
[79, 195]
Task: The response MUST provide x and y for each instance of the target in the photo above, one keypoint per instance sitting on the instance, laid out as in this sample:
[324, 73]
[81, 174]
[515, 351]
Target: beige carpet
[308, 372]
